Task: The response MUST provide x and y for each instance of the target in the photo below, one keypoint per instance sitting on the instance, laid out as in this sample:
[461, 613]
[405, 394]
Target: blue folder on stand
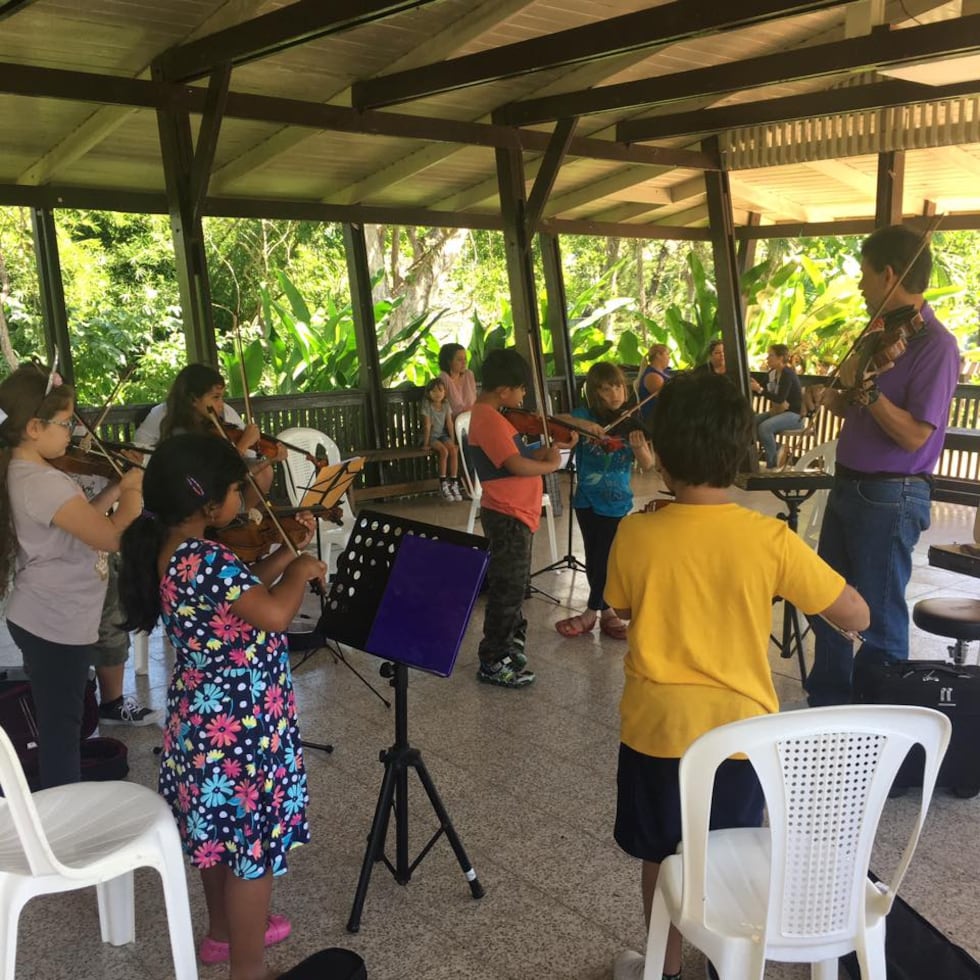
[427, 604]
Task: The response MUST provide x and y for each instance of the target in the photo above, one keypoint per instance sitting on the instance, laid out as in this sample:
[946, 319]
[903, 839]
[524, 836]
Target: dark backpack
[102, 758]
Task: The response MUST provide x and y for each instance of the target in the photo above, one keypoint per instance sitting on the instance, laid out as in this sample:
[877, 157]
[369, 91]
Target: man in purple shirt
[894, 426]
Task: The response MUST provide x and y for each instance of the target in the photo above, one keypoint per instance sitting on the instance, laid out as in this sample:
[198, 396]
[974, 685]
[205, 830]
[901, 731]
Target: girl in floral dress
[232, 765]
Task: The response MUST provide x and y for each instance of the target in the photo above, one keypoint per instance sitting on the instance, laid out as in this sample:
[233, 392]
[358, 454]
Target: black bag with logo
[953, 690]
[102, 758]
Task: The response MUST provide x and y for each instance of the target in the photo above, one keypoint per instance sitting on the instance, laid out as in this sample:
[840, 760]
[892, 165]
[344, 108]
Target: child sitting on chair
[696, 580]
[437, 423]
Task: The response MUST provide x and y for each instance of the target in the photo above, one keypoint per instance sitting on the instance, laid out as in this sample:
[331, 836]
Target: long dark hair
[446, 354]
[191, 383]
[23, 396]
[185, 474]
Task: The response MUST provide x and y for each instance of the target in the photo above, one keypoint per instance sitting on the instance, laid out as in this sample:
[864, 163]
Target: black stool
[959, 619]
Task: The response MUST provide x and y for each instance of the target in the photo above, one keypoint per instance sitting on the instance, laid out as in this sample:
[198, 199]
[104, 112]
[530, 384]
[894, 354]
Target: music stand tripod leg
[393, 797]
[569, 561]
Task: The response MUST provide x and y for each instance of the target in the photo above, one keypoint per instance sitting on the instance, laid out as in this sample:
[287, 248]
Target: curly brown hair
[22, 398]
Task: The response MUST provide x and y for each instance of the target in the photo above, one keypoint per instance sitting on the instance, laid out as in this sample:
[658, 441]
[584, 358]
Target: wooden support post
[52, 291]
[365, 331]
[554, 284]
[891, 187]
[731, 318]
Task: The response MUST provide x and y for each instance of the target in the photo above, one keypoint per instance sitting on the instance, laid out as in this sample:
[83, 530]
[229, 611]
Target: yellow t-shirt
[700, 580]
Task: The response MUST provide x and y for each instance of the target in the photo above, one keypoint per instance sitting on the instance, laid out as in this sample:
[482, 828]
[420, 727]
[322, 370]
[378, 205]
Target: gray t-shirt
[437, 416]
[59, 581]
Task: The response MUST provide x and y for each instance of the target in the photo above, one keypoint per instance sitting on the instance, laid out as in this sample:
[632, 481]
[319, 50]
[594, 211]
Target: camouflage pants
[508, 575]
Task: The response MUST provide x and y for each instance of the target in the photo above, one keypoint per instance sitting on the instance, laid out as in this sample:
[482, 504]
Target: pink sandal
[213, 951]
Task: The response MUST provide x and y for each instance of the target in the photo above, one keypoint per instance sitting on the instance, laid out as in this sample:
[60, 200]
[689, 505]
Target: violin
[530, 423]
[77, 461]
[883, 342]
[252, 540]
[268, 446]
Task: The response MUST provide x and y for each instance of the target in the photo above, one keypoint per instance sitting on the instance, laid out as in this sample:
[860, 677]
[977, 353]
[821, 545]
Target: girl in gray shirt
[53, 559]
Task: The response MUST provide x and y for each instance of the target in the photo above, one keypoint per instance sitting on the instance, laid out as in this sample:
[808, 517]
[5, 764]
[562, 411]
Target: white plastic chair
[811, 513]
[462, 424]
[798, 890]
[300, 474]
[88, 834]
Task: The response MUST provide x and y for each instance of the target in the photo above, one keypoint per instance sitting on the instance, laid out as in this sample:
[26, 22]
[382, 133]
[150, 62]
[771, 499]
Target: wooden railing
[957, 473]
[343, 416]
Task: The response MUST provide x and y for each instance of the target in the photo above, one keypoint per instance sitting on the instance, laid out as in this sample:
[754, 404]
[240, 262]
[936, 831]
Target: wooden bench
[400, 488]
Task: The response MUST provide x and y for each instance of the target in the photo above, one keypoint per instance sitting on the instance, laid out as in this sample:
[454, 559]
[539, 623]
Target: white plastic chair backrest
[811, 513]
[825, 773]
[462, 422]
[23, 813]
[298, 468]
[827, 451]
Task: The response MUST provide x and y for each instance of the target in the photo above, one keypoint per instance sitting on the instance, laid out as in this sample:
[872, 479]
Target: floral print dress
[232, 765]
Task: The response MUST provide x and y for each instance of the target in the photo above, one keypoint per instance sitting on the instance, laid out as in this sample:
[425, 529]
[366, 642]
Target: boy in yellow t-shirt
[696, 580]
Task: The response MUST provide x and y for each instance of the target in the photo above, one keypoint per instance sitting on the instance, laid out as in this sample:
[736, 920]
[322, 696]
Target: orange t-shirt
[492, 440]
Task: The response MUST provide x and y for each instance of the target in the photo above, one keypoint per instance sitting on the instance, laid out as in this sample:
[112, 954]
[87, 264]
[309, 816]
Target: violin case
[955, 691]
[102, 758]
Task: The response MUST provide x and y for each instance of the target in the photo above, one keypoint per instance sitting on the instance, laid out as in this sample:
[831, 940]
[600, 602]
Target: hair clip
[195, 486]
[149, 514]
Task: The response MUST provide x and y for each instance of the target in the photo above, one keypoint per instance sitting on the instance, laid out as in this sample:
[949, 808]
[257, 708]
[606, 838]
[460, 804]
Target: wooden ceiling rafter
[628, 33]
[57, 83]
[880, 95]
[271, 33]
[881, 49]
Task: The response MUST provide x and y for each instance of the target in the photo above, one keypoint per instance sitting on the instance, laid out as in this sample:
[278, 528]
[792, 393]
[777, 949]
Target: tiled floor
[528, 778]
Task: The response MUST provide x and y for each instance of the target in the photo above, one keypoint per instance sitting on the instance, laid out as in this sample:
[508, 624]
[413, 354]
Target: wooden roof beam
[665, 24]
[10, 7]
[857, 98]
[260, 37]
[58, 83]
[881, 49]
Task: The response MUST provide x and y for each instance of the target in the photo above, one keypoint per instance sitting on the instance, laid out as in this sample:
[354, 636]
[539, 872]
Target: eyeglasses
[68, 425]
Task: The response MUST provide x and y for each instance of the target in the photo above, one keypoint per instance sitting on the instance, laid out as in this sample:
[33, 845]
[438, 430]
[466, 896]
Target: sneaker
[457, 491]
[505, 674]
[213, 951]
[128, 711]
[518, 659]
[445, 491]
[628, 966]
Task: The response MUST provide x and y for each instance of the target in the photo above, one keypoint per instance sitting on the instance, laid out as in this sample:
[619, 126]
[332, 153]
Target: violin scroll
[884, 341]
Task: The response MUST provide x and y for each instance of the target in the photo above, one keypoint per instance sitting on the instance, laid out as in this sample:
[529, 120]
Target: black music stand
[405, 591]
[793, 489]
[569, 561]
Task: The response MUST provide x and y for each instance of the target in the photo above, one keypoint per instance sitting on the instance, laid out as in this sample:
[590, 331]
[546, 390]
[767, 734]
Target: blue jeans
[767, 425]
[869, 530]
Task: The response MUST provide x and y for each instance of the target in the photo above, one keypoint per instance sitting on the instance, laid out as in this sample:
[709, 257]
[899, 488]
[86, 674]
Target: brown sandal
[574, 626]
[613, 626]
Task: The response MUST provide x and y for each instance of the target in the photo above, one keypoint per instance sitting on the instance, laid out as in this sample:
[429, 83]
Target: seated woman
[653, 374]
[459, 381]
[715, 363]
[783, 393]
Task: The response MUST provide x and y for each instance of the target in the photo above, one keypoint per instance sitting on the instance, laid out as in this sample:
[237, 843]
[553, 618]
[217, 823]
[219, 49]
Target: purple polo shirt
[922, 382]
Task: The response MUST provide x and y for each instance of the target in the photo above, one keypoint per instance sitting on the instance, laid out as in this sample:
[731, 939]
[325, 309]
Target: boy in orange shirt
[510, 511]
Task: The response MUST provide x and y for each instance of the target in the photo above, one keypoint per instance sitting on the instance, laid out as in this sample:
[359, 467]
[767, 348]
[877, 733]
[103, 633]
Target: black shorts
[648, 804]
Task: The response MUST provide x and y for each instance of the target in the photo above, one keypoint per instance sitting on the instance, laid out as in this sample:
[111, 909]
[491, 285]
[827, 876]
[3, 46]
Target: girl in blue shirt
[604, 495]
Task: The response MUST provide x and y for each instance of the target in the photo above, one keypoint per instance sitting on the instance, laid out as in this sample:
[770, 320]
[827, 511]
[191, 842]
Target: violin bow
[923, 242]
[537, 382]
[241, 366]
[265, 503]
[630, 411]
[75, 416]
